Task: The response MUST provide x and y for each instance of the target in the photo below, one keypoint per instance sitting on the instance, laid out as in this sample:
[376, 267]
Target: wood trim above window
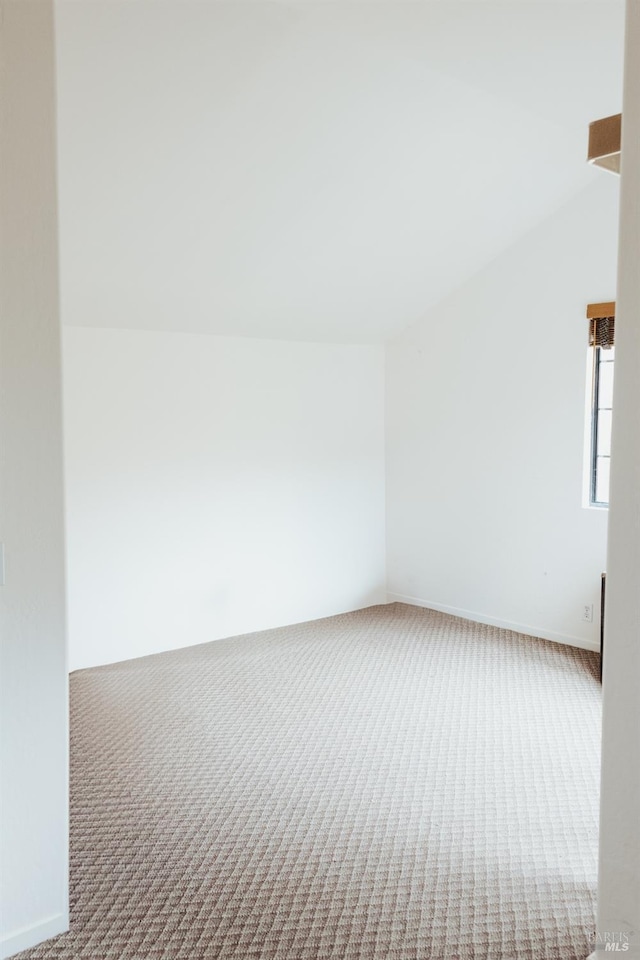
[595, 311]
[602, 324]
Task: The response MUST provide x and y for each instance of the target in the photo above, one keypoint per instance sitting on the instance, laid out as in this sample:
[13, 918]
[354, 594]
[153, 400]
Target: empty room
[320, 479]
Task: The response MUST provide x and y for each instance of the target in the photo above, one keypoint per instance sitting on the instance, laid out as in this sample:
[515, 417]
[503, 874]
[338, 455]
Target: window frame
[594, 415]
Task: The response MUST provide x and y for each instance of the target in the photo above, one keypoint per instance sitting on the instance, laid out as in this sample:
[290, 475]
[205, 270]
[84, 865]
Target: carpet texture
[391, 784]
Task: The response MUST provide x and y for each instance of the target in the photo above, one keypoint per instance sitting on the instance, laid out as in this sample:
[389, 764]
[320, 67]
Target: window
[602, 395]
[602, 325]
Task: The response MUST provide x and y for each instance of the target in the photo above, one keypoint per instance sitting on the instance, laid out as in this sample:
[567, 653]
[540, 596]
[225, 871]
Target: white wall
[485, 419]
[223, 180]
[33, 697]
[619, 867]
[217, 486]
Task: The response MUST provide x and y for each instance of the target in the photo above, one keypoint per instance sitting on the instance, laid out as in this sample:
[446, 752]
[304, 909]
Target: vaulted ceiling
[314, 170]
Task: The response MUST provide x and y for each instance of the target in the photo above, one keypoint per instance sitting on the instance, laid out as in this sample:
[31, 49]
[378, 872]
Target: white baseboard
[31, 936]
[524, 628]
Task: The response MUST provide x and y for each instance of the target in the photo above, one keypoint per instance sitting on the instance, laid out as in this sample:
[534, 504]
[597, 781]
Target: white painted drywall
[217, 486]
[619, 868]
[485, 419]
[33, 700]
[313, 170]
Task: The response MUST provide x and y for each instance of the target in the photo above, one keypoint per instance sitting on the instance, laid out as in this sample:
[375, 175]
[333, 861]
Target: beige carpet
[392, 784]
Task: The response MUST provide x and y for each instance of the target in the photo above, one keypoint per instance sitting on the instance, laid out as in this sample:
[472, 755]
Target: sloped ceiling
[322, 171]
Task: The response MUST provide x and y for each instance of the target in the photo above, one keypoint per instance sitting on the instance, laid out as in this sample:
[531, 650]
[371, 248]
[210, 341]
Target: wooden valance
[602, 323]
[597, 310]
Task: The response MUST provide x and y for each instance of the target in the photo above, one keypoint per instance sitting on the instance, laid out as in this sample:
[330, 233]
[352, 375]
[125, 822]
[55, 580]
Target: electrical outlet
[587, 613]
